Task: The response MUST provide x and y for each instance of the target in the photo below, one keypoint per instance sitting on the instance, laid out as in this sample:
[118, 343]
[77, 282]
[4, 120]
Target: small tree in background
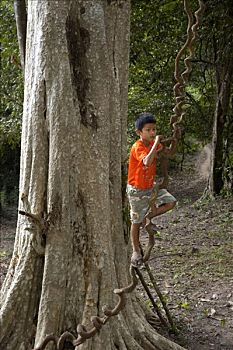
[11, 107]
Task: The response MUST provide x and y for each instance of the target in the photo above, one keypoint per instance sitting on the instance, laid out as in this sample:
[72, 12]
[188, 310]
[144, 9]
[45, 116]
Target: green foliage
[11, 96]
[11, 93]
[158, 31]
[184, 305]
[151, 59]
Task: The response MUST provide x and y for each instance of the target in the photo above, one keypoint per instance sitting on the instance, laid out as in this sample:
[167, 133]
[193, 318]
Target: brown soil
[8, 217]
[192, 263]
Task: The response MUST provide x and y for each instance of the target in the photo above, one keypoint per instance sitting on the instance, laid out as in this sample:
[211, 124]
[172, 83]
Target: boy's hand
[158, 139]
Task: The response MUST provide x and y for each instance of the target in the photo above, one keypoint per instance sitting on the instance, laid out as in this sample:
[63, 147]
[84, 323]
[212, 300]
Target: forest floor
[192, 262]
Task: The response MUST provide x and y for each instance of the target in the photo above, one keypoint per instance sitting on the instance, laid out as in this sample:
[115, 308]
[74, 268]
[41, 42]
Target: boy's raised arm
[148, 160]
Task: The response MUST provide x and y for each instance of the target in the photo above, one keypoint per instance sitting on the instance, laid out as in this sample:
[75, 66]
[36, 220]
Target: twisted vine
[182, 79]
[179, 92]
[97, 322]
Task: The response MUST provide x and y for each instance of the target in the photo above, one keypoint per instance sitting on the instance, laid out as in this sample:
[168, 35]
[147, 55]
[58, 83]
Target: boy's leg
[160, 210]
[165, 201]
[150, 227]
[136, 259]
[139, 204]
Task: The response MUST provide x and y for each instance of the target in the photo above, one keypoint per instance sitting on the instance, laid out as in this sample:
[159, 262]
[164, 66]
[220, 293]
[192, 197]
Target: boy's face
[148, 132]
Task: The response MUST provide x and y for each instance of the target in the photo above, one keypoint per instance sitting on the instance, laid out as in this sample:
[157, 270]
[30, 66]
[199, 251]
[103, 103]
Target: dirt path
[192, 263]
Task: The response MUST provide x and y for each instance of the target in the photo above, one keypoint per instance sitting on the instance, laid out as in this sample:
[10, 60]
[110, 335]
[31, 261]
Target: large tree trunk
[70, 252]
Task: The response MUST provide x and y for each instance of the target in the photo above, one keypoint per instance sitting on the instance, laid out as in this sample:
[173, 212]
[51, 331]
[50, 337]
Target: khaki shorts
[139, 201]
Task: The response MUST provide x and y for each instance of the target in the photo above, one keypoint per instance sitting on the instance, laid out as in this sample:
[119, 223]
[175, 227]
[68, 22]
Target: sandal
[136, 260]
[153, 229]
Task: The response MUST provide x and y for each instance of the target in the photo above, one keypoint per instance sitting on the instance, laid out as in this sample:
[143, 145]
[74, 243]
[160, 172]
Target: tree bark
[70, 251]
[228, 147]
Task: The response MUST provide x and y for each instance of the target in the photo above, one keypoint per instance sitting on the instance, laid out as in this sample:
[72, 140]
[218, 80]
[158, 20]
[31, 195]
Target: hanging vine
[181, 81]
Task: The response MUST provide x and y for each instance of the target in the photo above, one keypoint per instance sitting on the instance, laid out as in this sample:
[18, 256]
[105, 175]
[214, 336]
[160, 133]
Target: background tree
[11, 96]
[70, 250]
[221, 50]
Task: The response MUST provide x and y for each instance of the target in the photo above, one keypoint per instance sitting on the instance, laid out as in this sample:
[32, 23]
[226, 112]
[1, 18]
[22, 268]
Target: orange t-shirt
[140, 175]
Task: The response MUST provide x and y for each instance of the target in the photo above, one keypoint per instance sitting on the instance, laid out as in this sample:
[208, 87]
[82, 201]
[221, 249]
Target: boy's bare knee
[171, 205]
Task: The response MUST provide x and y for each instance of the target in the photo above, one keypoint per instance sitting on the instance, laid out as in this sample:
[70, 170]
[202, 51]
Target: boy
[141, 177]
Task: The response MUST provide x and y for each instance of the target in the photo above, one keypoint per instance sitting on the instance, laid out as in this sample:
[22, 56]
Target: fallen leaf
[211, 312]
[229, 303]
[215, 296]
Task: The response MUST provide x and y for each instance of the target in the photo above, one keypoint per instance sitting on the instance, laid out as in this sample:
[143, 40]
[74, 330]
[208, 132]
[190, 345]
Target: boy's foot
[136, 259]
[153, 229]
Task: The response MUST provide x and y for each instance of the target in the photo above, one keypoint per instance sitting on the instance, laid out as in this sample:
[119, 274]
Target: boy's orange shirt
[140, 175]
